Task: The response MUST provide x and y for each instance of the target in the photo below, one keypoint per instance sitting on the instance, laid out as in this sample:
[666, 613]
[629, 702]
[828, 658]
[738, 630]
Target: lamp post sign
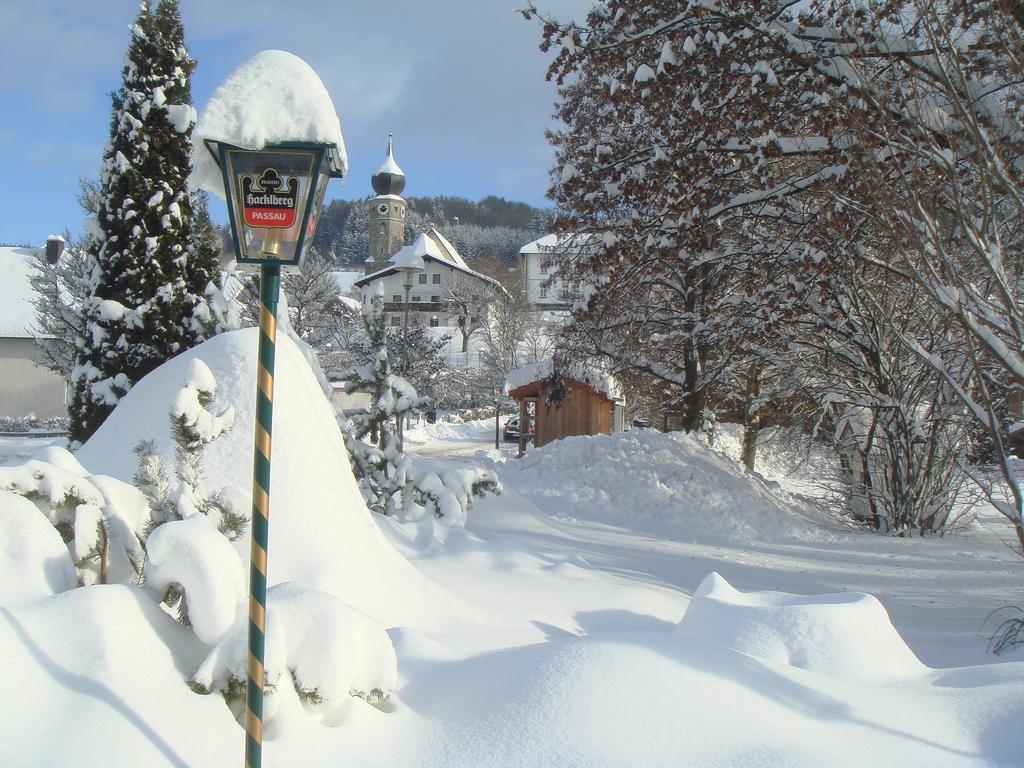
[269, 201]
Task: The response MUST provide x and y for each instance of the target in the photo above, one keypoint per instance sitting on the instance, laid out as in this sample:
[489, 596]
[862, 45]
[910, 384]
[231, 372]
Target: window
[543, 292]
[434, 322]
[396, 321]
[415, 299]
[423, 279]
[543, 268]
[397, 298]
[436, 279]
[435, 299]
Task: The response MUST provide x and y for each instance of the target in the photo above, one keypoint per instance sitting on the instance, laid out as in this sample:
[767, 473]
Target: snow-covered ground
[632, 600]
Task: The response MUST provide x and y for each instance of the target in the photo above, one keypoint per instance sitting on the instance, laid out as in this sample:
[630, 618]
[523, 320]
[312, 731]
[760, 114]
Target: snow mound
[665, 484]
[98, 664]
[273, 97]
[481, 429]
[848, 636]
[321, 532]
[34, 561]
[333, 649]
[659, 699]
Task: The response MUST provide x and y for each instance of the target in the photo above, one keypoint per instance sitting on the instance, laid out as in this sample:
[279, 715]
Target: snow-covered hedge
[31, 423]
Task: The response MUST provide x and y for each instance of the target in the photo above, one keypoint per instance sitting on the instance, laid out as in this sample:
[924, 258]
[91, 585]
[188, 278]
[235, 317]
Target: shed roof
[521, 380]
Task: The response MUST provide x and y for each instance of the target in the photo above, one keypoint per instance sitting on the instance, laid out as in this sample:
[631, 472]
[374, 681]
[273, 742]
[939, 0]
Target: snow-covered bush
[329, 651]
[192, 566]
[102, 520]
[448, 494]
[193, 427]
[389, 481]
[191, 558]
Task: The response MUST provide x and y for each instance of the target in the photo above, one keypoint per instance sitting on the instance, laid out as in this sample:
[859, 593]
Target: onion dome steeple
[388, 179]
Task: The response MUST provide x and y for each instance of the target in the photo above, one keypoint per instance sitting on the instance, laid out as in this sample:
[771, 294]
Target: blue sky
[459, 82]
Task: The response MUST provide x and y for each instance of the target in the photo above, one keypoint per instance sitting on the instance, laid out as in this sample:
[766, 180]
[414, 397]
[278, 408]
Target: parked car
[511, 431]
[642, 423]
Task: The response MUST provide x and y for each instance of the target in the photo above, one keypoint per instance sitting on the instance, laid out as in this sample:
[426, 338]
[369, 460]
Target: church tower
[387, 212]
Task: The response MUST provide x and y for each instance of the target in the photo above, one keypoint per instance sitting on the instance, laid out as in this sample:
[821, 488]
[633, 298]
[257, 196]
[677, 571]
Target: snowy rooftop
[273, 97]
[598, 380]
[558, 243]
[345, 279]
[449, 250]
[17, 315]
[411, 256]
[430, 245]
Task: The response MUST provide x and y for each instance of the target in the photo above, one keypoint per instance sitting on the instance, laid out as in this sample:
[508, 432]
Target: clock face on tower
[382, 208]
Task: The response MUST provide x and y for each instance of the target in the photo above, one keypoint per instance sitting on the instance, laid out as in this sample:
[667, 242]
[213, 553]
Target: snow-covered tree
[59, 289]
[315, 312]
[467, 301]
[419, 355]
[193, 427]
[147, 294]
[750, 172]
[935, 175]
[380, 467]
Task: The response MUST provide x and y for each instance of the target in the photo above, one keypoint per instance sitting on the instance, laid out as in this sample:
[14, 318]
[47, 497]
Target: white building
[541, 263]
[445, 272]
[25, 386]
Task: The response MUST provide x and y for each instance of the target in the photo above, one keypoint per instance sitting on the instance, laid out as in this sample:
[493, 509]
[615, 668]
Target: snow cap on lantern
[268, 141]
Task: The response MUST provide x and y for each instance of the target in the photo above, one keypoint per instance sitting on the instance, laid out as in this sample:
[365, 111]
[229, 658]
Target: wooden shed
[590, 403]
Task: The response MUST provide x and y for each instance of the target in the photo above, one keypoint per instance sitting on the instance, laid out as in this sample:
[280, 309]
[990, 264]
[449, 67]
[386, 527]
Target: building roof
[17, 313]
[430, 246]
[561, 243]
[600, 381]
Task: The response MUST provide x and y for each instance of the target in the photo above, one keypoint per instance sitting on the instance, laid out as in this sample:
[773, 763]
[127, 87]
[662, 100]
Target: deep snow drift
[534, 642]
[669, 485]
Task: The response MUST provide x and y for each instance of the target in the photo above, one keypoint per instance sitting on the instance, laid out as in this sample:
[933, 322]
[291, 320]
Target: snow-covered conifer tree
[379, 465]
[147, 294]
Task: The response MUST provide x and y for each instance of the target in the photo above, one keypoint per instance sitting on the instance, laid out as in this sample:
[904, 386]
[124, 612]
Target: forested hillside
[478, 229]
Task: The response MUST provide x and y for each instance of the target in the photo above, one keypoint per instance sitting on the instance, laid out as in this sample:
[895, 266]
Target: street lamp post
[408, 260]
[274, 197]
[497, 417]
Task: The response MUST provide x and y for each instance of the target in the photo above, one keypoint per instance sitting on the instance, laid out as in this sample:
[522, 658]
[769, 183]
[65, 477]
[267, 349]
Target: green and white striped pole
[270, 287]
